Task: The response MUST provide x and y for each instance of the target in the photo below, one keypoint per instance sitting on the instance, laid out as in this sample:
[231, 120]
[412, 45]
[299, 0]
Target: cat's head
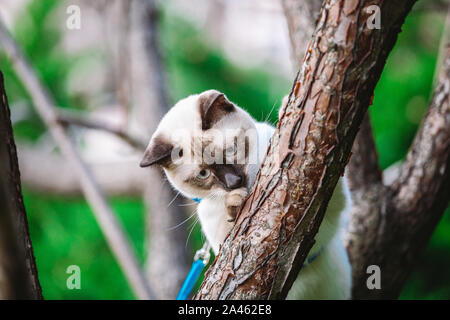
[206, 145]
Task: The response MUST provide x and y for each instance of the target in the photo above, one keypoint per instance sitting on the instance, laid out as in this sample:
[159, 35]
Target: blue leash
[201, 259]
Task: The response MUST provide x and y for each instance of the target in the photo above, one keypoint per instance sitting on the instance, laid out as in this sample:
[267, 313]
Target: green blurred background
[63, 229]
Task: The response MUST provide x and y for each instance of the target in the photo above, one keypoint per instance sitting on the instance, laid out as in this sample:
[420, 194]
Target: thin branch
[78, 120]
[122, 18]
[118, 178]
[115, 235]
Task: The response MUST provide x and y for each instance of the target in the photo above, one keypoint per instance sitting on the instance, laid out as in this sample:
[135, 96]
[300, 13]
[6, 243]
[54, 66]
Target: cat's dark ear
[158, 152]
[213, 106]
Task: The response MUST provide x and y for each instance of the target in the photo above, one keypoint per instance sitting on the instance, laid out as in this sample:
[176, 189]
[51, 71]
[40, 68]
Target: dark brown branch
[391, 224]
[422, 192]
[261, 257]
[18, 272]
[364, 170]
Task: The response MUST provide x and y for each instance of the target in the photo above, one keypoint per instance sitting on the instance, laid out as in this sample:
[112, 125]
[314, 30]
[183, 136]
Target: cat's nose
[233, 181]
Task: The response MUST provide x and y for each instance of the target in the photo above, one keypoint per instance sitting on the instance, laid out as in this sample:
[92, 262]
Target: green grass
[64, 232]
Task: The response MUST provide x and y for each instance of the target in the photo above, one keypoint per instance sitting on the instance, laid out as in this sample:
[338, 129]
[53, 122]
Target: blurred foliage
[194, 66]
[64, 231]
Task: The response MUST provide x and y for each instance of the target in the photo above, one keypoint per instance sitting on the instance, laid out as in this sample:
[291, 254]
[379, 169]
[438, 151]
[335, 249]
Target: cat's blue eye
[204, 174]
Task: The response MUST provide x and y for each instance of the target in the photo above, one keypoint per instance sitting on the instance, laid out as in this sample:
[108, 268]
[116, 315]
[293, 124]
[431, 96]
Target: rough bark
[149, 103]
[370, 196]
[275, 230]
[391, 225]
[18, 273]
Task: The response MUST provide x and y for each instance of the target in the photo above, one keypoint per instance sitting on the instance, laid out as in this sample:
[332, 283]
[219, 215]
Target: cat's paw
[234, 201]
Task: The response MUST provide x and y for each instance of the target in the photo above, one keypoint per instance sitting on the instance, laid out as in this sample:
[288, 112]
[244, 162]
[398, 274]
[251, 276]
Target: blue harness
[198, 200]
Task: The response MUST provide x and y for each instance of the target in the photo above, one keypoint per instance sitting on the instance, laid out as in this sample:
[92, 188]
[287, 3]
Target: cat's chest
[214, 221]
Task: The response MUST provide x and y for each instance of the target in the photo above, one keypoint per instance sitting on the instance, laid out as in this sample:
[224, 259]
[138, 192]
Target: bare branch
[71, 119]
[273, 234]
[115, 236]
[54, 176]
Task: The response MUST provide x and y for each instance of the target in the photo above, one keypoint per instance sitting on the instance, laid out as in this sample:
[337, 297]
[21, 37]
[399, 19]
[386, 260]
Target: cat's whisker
[178, 193]
[188, 204]
[186, 220]
[190, 232]
[270, 112]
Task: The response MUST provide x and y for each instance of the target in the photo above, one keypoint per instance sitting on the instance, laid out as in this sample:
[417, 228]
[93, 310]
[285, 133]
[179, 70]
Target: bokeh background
[238, 47]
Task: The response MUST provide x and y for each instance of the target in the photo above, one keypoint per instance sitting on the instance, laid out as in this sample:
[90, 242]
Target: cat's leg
[233, 201]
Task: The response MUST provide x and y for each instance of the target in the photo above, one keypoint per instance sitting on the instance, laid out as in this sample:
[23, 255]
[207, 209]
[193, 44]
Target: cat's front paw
[234, 201]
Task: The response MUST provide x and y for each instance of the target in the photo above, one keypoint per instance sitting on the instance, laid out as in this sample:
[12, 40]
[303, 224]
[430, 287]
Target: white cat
[211, 150]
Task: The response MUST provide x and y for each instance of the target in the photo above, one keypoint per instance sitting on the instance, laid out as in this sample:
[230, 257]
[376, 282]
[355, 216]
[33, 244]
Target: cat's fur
[210, 119]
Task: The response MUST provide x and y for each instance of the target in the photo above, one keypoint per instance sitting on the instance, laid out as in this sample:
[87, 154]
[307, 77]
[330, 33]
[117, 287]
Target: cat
[211, 150]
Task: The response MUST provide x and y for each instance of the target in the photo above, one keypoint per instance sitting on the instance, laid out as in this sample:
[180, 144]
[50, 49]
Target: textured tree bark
[391, 225]
[167, 259]
[18, 273]
[370, 196]
[261, 257]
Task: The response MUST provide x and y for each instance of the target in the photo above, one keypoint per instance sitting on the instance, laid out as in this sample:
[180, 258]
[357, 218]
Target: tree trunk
[167, 260]
[391, 225]
[275, 230]
[18, 273]
[365, 176]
